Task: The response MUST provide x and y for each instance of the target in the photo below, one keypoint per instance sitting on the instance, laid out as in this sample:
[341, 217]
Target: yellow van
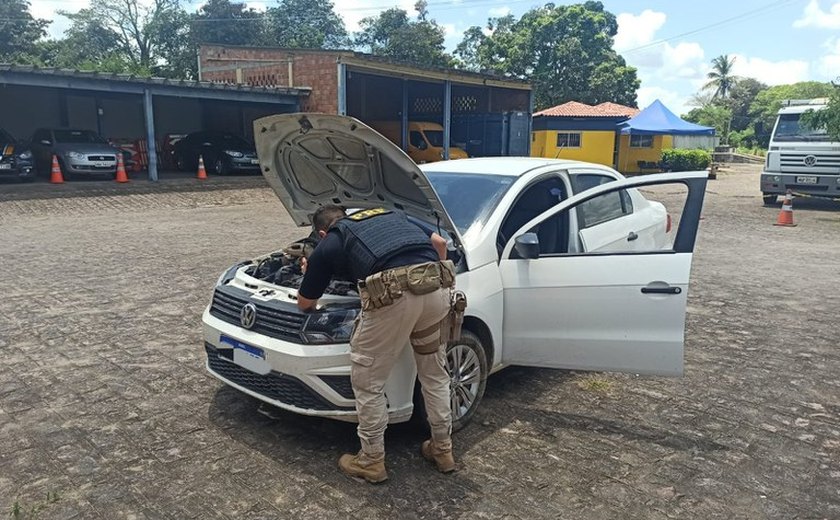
[425, 140]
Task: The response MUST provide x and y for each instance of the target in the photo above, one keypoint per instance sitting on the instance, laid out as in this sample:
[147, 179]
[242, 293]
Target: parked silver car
[79, 152]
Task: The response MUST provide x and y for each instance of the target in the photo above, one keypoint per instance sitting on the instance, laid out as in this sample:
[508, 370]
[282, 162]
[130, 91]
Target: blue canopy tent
[658, 120]
[637, 152]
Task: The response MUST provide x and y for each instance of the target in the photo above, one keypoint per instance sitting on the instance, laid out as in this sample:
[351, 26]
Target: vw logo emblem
[248, 315]
[810, 160]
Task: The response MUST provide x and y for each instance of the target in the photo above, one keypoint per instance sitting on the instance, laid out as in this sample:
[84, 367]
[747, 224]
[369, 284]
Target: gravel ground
[106, 410]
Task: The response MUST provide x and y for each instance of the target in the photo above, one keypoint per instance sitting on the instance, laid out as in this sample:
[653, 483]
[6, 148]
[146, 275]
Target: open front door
[621, 309]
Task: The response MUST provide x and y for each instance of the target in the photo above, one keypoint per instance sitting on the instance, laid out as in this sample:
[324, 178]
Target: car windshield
[77, 136]
[469, 198]
[789, 128]
[5, 137]
[435, 137]
[231, 141]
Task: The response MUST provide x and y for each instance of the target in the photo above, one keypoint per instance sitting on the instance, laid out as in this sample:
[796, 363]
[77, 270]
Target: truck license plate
[247, 356]
[806, 179]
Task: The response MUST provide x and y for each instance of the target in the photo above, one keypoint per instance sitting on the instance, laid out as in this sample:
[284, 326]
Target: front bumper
[245, 164]
[95, 167]
[16, 170]
[778, 184]
[305, 379]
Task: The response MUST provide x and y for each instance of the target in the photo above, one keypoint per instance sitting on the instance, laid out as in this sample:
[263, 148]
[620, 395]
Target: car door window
[535, 199]
[600, 209]
[416, 140]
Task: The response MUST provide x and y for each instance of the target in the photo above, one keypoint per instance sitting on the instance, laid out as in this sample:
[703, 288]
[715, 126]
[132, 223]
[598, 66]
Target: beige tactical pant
[377, 343]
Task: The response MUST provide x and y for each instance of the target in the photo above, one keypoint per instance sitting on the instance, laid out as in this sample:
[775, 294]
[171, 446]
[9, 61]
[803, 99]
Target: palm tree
[720, 77]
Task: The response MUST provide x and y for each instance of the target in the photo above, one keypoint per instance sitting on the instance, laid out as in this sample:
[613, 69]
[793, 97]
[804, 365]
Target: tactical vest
[372, 237]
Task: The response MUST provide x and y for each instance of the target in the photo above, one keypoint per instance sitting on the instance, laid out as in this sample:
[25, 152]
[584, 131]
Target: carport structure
[128, 106]
[468, 105]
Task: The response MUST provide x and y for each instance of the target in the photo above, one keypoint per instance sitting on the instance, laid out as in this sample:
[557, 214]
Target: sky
[670, 42]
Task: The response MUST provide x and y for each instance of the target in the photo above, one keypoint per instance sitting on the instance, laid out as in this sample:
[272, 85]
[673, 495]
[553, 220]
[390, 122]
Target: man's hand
[439, 243]
[305, 304]
[303, 264]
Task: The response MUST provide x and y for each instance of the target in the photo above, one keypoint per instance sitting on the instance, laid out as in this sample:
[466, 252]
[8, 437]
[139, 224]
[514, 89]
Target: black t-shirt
[329, 261]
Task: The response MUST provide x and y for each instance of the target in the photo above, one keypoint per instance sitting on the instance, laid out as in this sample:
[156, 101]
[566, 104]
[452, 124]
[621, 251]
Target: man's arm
[305, 304]
[439, 243]
[318, 271]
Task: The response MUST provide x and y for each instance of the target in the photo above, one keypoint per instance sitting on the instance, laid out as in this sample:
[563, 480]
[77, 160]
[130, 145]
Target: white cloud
[814, 16]
[771, 72]
[47, 9]
[828, 66]
[498, 12]
[637, 30]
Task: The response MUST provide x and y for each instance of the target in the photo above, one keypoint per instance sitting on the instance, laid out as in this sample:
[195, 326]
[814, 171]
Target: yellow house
[641, 153]
[579, 131]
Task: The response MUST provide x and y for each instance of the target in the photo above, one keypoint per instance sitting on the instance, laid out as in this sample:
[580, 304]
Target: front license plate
[5, 166]
[247, 356]
[806, 179]
[255, 161]
[103, 164]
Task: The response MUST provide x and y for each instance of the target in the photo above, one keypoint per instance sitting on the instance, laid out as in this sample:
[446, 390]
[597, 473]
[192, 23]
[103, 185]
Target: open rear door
[617, 310]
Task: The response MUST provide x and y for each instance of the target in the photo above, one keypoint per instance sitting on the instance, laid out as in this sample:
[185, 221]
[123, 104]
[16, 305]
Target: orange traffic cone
[55, 173]
[122, 176]
[202, 173]
[786, 214]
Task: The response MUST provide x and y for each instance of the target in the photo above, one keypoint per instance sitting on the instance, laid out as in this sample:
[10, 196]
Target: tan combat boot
[443, 459]
[370, 467]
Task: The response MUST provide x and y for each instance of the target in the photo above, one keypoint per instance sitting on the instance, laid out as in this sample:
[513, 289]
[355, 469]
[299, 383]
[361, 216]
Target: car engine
[283, 268]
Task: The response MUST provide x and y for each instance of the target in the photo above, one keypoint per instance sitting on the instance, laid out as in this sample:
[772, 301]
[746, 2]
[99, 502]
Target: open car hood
[311, 160]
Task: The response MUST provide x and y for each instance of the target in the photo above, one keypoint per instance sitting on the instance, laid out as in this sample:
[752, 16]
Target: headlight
[329, 326]
[234, 153]
[76, 155]
[25, 155]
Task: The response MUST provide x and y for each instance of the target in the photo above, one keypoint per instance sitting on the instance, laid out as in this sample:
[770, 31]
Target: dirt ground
[106, 410]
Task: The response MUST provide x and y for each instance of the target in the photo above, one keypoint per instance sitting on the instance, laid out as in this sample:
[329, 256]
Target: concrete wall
[122, 117]
[175, 115]
[596, 146]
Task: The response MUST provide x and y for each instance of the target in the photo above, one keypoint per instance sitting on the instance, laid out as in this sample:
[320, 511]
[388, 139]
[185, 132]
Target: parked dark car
[79, 152]
[15, 158]
[222, 153]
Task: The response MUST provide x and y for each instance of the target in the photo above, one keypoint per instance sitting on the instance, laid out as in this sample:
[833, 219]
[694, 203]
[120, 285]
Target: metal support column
[342, 89]
[447, 117]
[404, 117]
[530, 119]
[148, 110]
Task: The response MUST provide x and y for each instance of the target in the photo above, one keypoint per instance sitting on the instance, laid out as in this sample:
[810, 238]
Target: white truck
[801, 159]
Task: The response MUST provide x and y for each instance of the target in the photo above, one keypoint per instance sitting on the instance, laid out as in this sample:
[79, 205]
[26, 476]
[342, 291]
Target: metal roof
[133, 84]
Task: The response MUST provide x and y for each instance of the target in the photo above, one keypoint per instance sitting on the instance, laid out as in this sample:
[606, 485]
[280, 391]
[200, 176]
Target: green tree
[19, 31]
[712, 114]
[394, 35]
[741, 98]
[226, 22]
[146, 33]
[565, 51]
[721, 78]
[307, 24]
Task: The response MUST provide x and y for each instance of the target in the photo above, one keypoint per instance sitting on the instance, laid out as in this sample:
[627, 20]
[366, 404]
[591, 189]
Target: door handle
[661, 290]
[632, 236]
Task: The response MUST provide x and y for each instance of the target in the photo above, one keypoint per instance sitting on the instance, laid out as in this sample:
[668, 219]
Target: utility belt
[383, 288]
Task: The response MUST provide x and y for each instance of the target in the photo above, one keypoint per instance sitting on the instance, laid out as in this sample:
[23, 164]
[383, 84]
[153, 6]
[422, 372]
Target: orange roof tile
[577, 109]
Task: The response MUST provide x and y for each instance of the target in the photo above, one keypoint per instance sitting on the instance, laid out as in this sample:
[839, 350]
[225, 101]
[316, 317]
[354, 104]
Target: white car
[565, 264]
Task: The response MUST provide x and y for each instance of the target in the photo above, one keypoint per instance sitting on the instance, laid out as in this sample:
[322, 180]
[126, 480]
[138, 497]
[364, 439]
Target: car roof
[515, 166]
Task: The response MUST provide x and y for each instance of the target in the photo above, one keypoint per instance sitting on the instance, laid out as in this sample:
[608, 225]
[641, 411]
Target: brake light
[668, 224]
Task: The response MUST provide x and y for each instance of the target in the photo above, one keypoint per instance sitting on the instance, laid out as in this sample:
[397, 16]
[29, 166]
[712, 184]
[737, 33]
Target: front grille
[101, 158]
[274, 319]
[341, 384]
[824, 162]
[274, 385]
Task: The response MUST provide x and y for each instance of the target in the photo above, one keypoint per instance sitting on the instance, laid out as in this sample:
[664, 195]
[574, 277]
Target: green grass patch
[596, 384]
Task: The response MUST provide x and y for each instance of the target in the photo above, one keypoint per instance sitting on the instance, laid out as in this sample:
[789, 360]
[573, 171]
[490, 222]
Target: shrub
[678, 160]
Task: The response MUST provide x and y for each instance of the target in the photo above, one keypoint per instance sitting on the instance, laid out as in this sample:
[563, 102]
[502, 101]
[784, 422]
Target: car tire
[770, 200]
[220, 167]
[181, 163]
[468, 358]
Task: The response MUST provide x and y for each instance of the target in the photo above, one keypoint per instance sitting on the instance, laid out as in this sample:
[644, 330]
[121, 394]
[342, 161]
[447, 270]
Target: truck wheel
[770, 200]
[468, 370]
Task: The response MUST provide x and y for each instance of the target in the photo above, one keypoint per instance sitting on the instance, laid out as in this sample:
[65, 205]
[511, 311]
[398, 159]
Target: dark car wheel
[466, 362]
[181, 163]
[220, 167]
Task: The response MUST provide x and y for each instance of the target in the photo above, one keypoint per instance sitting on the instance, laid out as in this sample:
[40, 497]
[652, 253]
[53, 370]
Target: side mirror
[528, 246]
[46, 142]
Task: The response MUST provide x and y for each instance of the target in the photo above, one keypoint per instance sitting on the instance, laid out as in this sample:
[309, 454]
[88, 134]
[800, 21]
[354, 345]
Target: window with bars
[568, 139]
[641, 141]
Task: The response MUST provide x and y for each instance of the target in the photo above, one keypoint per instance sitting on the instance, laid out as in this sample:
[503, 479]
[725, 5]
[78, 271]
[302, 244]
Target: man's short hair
[326, 216]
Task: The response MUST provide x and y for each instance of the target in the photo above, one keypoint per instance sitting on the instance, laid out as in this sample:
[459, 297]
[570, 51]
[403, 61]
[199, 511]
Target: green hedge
[685, 160]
